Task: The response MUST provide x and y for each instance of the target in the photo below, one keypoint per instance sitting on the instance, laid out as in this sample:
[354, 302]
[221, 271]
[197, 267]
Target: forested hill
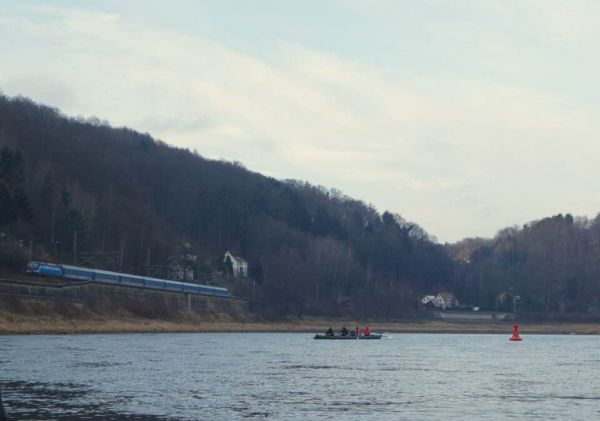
[546, 267]
[69, 183]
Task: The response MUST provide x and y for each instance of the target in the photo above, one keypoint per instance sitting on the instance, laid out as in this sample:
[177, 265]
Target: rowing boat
[348, 337]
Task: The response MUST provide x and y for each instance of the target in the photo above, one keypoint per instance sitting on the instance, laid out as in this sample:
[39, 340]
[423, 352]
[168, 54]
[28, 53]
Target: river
[224, 376]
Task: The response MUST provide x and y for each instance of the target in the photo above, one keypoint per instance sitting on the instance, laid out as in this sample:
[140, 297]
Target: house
[239, 266]
[180, 273]
[443, 300]
[181, 266]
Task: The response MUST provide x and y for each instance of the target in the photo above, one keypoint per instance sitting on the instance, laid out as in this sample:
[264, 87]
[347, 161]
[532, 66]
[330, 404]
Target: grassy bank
[20, 324]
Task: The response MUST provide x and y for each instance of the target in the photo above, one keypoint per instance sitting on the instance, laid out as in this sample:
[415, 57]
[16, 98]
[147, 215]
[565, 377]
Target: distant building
[239, 266]
[180, 267]
[179, 272]
[443, 300]
[427, 300]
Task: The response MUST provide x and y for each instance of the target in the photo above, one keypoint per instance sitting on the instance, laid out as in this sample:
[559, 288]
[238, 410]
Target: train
[122, 279]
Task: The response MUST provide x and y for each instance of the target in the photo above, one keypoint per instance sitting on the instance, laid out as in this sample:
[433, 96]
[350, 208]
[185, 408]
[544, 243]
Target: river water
[224, 376]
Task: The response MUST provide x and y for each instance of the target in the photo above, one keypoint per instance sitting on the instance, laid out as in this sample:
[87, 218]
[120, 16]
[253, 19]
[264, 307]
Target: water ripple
[291, 376]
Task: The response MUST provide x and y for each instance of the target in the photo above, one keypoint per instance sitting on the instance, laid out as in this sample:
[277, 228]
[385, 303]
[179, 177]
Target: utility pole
[52, 237]
[515, 299]
[148, 261]
[123, 244]
[75, 247]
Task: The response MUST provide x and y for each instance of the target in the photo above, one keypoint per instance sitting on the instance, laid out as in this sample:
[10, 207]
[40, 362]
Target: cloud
[441, 151]
[570, 22]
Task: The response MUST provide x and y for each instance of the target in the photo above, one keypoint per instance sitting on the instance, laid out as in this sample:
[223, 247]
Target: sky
[465, 116]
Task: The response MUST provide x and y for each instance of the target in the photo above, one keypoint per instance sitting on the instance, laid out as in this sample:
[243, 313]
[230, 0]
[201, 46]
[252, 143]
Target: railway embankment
[34, 305]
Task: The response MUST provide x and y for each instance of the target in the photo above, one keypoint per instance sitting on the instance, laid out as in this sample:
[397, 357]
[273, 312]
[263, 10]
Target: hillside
[546, 267]
[83, 191]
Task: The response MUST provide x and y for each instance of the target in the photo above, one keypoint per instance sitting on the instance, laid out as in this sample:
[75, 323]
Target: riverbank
[19, 324]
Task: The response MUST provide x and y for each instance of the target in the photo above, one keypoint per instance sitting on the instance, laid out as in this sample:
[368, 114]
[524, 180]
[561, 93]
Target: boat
[348, 337]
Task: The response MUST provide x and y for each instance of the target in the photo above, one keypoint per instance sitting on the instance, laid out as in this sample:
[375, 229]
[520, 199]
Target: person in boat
[329, 332]
[344, 331]
[356, 331]
[367, 331]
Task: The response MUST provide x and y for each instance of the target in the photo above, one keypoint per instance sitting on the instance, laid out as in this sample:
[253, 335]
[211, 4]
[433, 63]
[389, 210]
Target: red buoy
[515, 336]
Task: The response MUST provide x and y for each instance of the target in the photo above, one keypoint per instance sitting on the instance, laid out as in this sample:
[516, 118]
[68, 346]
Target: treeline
[78, 186]
[14, 203]
[547, 267]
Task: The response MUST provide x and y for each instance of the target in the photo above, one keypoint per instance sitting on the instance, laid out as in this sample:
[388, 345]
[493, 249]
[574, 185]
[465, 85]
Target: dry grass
[123, 323]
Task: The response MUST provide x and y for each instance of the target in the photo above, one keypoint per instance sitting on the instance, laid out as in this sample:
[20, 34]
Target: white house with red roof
[443, 300]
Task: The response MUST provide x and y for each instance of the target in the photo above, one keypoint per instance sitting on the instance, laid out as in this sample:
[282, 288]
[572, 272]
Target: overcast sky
[464, 116]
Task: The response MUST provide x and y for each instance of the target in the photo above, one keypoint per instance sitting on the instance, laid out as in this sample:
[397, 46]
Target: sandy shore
[15, 324]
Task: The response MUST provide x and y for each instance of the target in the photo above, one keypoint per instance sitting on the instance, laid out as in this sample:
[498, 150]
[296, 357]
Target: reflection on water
[291, 376]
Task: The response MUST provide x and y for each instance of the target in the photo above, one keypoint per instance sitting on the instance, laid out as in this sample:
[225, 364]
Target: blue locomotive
[115, 278]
